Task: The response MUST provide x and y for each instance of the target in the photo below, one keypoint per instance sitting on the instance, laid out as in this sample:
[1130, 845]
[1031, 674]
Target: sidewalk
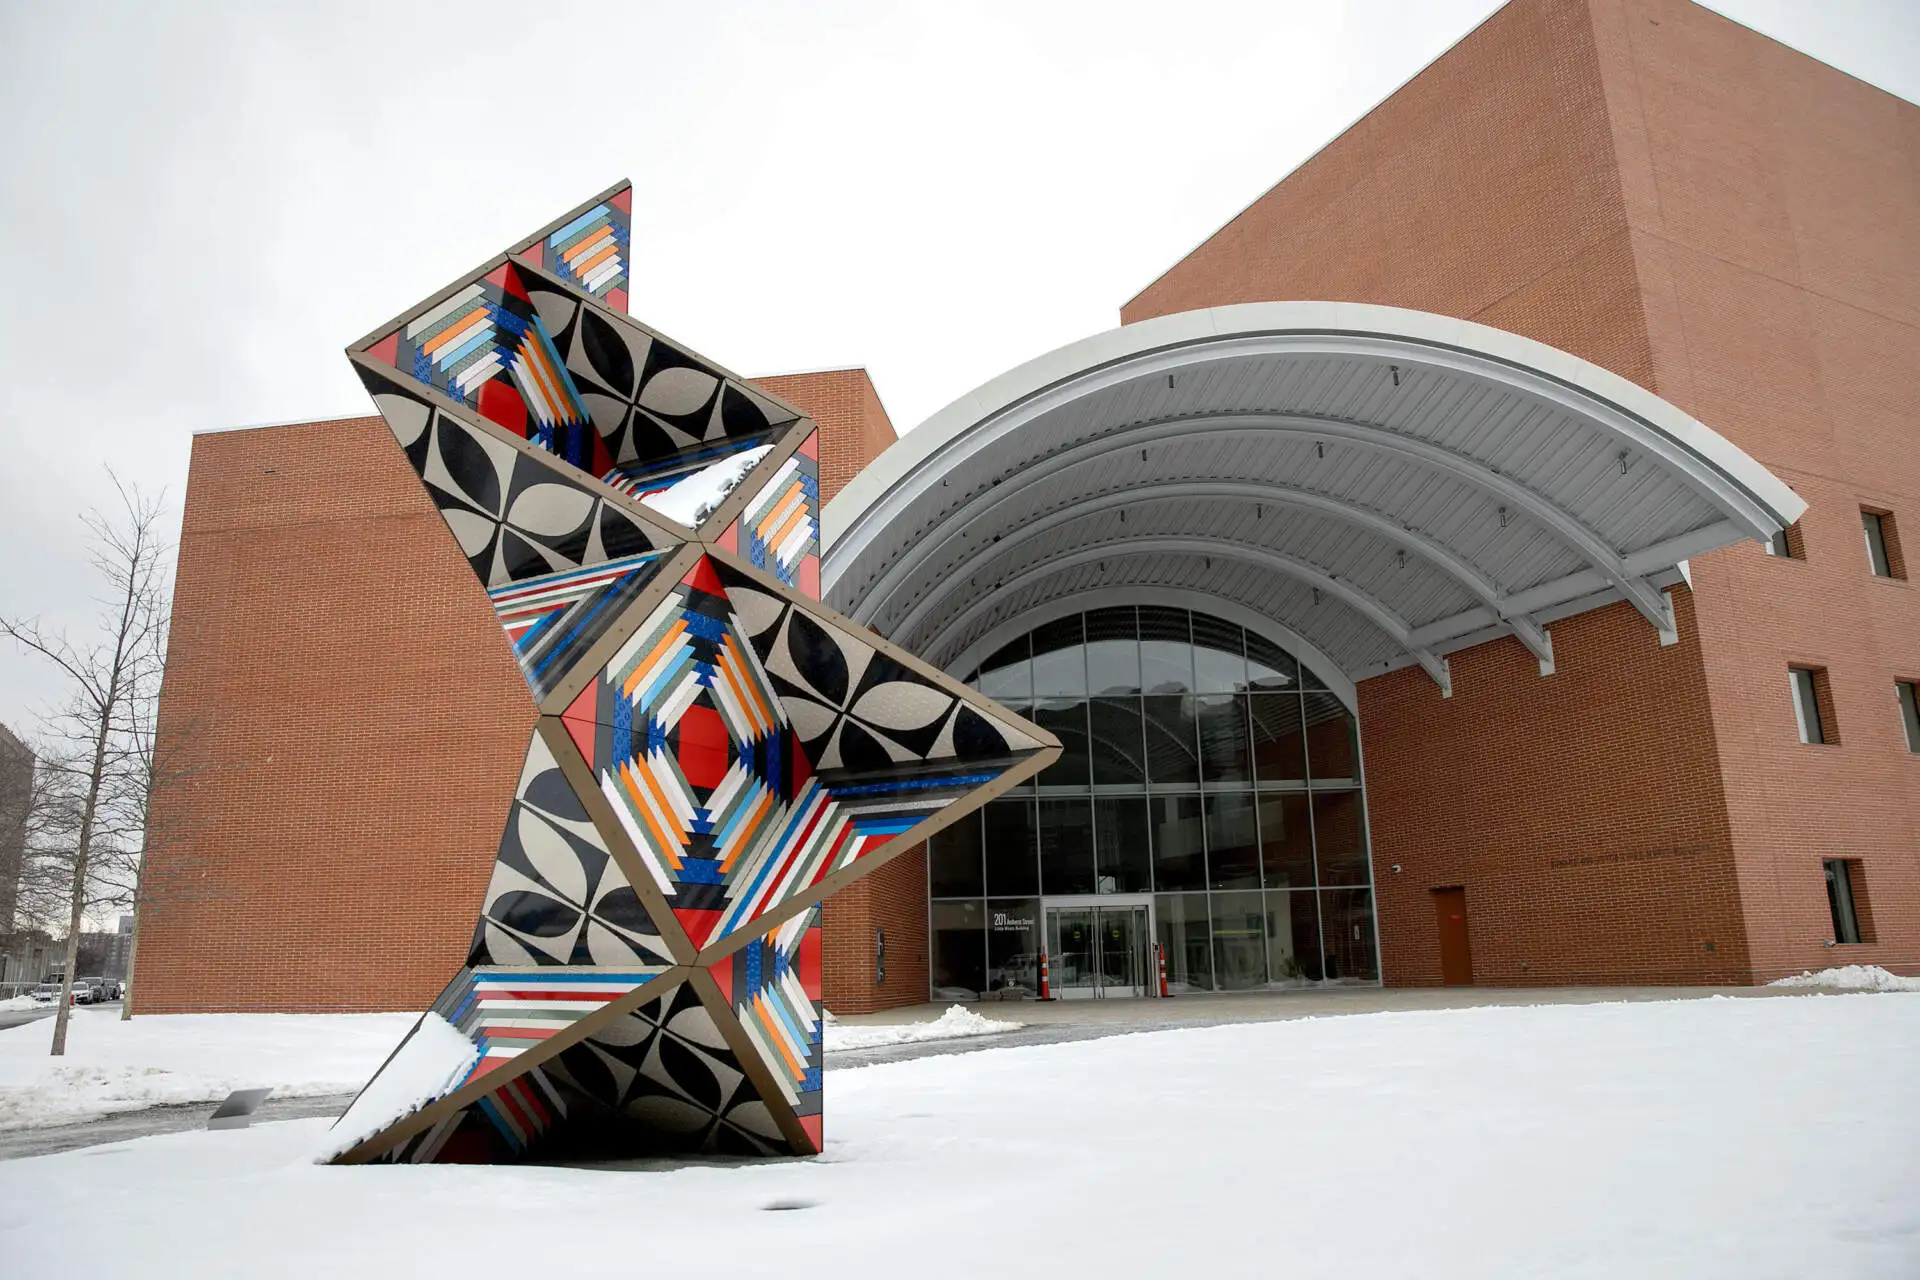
[1060, 1021]
[1303, 1002]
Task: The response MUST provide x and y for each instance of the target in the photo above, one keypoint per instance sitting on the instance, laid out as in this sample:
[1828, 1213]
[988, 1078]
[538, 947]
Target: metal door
[1123, 951]
[1072, 938]
[1456, 952]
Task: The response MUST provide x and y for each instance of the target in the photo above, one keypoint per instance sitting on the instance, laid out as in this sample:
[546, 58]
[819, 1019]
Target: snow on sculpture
[716, 751]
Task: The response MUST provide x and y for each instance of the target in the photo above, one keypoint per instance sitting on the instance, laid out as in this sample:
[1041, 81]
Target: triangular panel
[773, 985]
[856, 708]
[485, 346]
[516, 516]
[681, 433]
[557, 896]
[589, 249]
[554, 620]
[779, 530]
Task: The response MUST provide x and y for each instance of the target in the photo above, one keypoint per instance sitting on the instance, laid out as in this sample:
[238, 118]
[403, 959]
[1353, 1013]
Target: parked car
[47, 992]
[104, 989]
[82, 993]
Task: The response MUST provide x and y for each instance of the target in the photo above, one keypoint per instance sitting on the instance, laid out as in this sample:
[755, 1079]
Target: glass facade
[1209, 798]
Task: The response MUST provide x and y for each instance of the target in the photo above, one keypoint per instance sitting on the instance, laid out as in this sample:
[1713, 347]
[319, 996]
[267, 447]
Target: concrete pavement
[21, 1017]
[1058, 1021]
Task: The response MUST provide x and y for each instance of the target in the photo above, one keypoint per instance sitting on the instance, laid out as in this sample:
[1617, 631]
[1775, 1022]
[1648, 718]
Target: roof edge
[916, 447]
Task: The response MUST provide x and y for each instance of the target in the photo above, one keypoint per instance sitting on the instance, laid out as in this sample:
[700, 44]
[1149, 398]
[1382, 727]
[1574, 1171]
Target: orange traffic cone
[1046, 987]
[1160, 954]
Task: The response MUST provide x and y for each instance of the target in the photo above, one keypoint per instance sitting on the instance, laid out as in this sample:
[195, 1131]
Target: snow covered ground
[957, 1023]
[1702, 1138]
[112, 1065]
[1851, 977]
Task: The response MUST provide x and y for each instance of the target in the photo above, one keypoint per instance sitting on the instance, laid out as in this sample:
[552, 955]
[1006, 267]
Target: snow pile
[1851, 977]
[1553, 1140]
[693, 498]
[20, 1004]
[112, 1065]
[430, 1059]
[955, 1024]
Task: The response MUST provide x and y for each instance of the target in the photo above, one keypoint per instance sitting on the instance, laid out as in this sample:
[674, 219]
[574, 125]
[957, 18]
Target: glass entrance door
[1123, 951]
[1099, 948]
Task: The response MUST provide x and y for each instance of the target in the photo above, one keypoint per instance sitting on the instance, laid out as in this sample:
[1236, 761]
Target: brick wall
[1775, 212]
[892, 900]
[1582, 812]
[355, 724]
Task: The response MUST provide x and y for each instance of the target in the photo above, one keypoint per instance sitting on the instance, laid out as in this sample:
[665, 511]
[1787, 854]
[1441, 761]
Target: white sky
[201, 205]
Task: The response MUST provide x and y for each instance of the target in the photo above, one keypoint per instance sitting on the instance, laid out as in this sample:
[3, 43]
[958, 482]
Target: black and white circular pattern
[556, 896]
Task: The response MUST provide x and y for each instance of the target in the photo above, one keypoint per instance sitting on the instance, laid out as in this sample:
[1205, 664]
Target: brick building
[1731, 225]
[16, 795]
[1385, 647]
[20, 958]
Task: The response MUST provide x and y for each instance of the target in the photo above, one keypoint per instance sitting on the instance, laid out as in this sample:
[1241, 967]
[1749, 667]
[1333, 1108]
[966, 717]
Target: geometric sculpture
[716, 751]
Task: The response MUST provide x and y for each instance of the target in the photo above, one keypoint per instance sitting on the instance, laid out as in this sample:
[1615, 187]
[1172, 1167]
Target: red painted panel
[705, 750]
[500, 402]
[807, 964]
[703, 578]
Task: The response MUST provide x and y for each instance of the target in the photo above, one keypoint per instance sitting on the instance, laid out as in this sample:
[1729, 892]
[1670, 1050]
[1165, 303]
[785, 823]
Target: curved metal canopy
[1386, 485]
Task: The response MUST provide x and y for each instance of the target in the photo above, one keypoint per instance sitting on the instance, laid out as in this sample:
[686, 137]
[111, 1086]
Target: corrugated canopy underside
[1388, 490]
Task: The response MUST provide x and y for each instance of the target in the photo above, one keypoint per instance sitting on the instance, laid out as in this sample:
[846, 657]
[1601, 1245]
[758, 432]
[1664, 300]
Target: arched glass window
[1209, 799]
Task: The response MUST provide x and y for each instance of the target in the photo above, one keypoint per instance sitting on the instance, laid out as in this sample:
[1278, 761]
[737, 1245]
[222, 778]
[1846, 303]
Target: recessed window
[1883, 544]
[1813, 705]
[1787, 544]
[1847, 900]
[1909, 694]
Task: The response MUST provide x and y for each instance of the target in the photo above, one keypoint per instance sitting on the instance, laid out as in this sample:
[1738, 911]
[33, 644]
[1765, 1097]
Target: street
[21, 1017]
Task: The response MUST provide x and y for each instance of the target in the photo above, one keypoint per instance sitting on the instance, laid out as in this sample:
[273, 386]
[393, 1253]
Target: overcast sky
[201, 205]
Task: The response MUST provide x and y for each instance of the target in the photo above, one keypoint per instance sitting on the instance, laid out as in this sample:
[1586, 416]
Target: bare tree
[48, 823]
[115, 679]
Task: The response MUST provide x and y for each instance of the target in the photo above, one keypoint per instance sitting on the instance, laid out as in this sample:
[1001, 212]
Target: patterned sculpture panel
[715, 753]
[780, 529]
[589, 248]
[774, 987]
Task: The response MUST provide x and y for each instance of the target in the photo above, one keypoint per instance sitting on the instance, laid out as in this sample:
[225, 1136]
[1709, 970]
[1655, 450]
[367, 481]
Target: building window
[1883, 544]
[1205, 771]
[1813, 705]
[1788, 544]
[1847, 900]
[1909, 695]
